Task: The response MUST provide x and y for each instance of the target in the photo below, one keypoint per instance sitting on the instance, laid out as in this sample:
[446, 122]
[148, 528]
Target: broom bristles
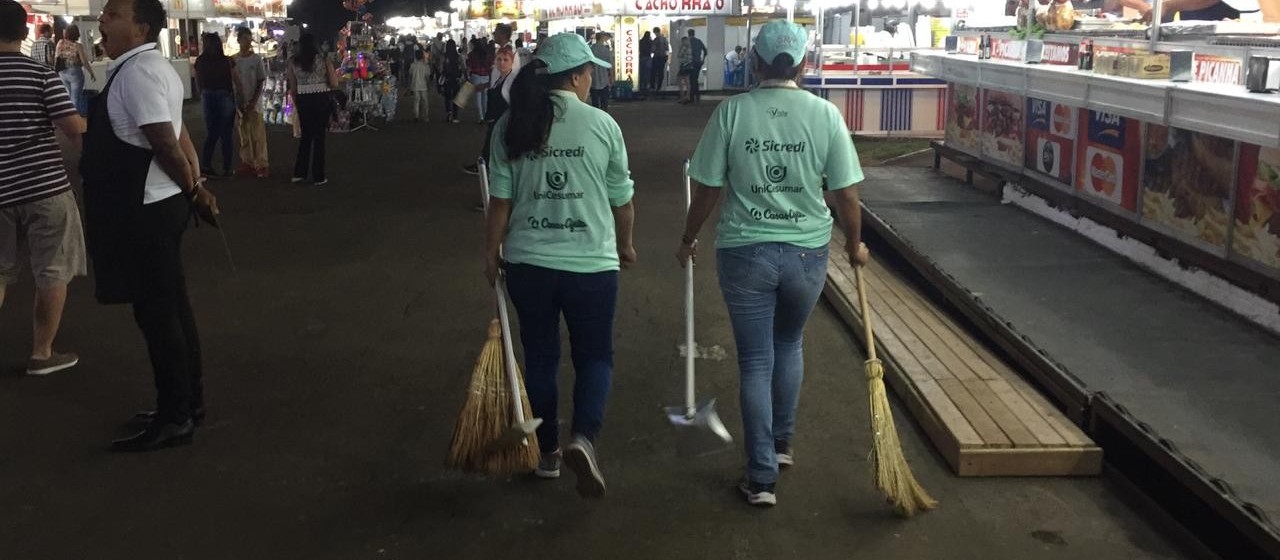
[486, 414]
[892, 473]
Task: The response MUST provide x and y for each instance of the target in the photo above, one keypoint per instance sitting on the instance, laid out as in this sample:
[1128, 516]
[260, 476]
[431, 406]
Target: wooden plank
[936, 321]
[932, 344]
[1035, 423]
[1073, 434]
[1016, 431]
[1031, 462]
[904, 362]
[991, 434]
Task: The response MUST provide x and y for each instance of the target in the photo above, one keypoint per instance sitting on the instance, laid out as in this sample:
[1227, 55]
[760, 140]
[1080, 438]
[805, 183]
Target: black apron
[114, 173]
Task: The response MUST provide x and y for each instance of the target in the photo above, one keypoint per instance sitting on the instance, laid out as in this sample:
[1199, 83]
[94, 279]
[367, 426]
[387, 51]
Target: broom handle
[499, 290]
[866, 313]
[509, 350]
[690, 397]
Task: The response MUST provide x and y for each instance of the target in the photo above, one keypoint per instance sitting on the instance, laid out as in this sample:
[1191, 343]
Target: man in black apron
[136, 212]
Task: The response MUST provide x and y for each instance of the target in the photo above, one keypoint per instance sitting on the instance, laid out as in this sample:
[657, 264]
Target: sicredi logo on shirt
[550, 152]
[755, 146]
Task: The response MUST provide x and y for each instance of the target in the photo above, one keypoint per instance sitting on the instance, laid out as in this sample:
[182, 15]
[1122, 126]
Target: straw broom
[892, 473]
[486, 415]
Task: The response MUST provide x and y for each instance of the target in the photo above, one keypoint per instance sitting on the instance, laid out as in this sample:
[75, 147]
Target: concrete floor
[336, 360]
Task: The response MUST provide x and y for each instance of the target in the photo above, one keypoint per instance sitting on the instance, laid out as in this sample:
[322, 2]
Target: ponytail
[533, 107]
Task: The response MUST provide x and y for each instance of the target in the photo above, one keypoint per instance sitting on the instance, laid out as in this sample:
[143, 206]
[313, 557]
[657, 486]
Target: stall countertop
[1225, 110]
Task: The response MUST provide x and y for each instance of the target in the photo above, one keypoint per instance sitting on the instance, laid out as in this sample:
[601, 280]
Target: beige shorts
[49, 234]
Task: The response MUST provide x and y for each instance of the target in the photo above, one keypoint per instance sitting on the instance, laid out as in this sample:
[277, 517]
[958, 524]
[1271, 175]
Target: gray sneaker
[760, 495]
[55, 362]
[581, 457]
[786, 457]
[549, 466]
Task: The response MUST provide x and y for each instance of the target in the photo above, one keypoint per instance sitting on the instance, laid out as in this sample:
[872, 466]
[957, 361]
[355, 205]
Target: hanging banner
[675, 8]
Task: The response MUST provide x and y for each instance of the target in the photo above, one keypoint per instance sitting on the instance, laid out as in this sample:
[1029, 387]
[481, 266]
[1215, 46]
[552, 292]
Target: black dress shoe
[157, 436]
[197, 415]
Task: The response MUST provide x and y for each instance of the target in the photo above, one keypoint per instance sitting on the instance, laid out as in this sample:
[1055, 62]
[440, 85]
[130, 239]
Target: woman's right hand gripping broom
[498, 213]
[849, 210]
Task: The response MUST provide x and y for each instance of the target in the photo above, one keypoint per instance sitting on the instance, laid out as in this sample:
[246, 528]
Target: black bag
[60, 63]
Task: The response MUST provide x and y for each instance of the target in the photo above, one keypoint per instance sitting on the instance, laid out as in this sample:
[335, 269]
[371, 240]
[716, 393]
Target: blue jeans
[770, 290]
[587, 301]
[73, 80]
[219, 122]
[482, 97]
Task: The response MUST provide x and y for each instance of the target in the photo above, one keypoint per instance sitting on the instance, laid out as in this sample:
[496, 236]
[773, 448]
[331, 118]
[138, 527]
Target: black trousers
[658, 72]
[694, 75]
[314, 110]
[600, 98]
[163, 311]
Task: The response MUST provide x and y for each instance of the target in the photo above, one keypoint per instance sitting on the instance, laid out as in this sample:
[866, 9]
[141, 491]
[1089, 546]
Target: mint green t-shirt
[562, 199]
[772, 147]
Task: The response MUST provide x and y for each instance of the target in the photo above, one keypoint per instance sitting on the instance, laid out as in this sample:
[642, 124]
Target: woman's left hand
[492, 268]
[627, 256]
[687, 254]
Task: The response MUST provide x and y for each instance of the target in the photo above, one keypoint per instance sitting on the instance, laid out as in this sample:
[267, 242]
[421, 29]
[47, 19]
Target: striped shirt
[31, 98]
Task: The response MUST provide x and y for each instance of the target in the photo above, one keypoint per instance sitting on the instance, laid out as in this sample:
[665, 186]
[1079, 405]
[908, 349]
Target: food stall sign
[968, 45]
[569, 9]
[1061, 54]
[626, 64]
[1006, 49]
[677, 7]
[1217, 69]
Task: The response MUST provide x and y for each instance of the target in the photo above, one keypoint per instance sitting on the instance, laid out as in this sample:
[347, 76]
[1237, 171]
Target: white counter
[1223, 110]
[181, 65]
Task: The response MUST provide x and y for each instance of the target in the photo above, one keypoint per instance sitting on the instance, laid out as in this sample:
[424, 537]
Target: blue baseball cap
[566, 51]
[781, 37]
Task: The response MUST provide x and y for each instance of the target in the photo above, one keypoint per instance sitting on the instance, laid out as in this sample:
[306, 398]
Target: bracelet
[687, 241]
[195, 189]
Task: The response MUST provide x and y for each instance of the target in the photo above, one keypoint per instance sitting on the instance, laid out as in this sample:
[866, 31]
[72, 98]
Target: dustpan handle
[499, 290]
[690, 396]
[866, 313]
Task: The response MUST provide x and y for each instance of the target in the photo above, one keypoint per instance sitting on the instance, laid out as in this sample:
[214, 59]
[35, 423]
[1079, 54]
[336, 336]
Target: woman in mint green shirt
[770, 151]
[560, 216]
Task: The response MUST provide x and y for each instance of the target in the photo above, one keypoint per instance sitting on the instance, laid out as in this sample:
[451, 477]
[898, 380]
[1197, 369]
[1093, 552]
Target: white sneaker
[297, 179]
[581, 457]
[758, 494]
[786, 457]
[548, 466]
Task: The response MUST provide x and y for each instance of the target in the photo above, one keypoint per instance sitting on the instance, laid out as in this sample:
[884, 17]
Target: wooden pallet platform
[981, 415]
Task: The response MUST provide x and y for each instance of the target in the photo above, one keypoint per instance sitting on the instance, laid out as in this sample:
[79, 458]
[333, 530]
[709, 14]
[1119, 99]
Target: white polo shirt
[147, 91]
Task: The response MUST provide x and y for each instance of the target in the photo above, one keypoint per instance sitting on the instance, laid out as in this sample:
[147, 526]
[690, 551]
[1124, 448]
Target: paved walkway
[336, 362]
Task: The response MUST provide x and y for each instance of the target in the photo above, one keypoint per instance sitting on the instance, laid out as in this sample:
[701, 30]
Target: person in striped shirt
[36, 203]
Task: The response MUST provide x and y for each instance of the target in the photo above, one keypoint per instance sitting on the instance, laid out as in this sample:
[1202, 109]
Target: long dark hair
[782, 68]
[533, 108]
[211, 49]
[307, 52]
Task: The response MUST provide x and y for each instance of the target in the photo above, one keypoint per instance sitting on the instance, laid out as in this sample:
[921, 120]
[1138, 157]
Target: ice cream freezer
[882, 98]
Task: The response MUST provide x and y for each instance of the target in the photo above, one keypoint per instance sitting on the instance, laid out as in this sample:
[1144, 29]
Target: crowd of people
[559, 225]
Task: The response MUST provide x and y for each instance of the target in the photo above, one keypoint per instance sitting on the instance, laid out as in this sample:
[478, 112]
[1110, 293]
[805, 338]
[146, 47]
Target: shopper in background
[420, 85]
[311, 78]
[42, 49]
[693, 70]
[217, 84]
[661, 52]
[601, 77]
[733, 67]
[437, 55]
[480, 67]
[452, 70]
[684, 57]
[771, 245]
[251, 73]
[37, 208]
[646, 62]
[71, 63]
[141, 189]
[553, 142]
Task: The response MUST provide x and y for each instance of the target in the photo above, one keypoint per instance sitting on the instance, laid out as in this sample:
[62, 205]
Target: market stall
[368, 87]
[1161, 135]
